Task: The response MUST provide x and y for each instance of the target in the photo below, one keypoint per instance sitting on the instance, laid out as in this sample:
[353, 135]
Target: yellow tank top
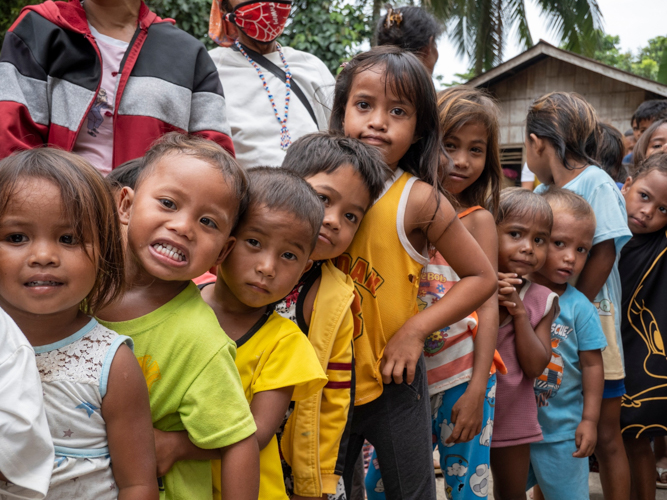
[385, 269]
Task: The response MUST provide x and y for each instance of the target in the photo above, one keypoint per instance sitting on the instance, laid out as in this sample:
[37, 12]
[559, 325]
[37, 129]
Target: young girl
[385, 98]
[459, 357]
[523, 221]
[560, 132]
[643, 270]
[654, 140]
[61, 260]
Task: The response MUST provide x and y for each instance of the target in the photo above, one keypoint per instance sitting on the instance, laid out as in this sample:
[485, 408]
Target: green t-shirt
[188, 363]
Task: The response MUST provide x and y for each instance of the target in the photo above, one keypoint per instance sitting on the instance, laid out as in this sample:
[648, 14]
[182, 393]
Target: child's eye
[351, 217]
[289, 256]
[68, 239]
[477, 150]
[17, 238]
[363, 105]
[168, 204]
[515, 234]
[663, 210]
[539, 241]
[449, 146]
[582, 250]
[644, 196]
[398, 112]
[559, 244]
[208, 222]
[323, 198]
[252, 242]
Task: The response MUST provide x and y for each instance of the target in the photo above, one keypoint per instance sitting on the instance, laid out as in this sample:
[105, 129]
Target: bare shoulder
[479, 220]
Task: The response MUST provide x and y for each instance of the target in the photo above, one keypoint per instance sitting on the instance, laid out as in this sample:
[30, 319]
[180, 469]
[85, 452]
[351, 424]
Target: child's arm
[468, 411]
[126, 411]
[592, 375]
[533, 347]
[597, 268]
[269, 408]
[240, 460]
[432, 219]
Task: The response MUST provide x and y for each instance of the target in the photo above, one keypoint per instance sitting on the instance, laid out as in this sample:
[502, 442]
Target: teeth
[43, 283]
[169, 251]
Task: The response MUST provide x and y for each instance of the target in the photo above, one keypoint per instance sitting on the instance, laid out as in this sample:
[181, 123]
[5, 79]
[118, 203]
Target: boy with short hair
[569, 392]
[179, 217]
[348, 177]
[274, 239]
[647, 113]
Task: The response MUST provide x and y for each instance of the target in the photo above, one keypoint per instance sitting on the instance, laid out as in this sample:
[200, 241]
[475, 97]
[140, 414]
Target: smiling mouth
[169, 251]
[31, 284]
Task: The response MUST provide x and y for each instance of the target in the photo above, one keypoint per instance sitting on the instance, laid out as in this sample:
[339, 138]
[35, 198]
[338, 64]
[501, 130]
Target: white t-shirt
[255, 129]
[26, 449]
[95, 139]
[526, 174]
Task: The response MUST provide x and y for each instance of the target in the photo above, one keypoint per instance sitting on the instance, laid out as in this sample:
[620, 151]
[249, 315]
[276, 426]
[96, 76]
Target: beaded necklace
[285, 138]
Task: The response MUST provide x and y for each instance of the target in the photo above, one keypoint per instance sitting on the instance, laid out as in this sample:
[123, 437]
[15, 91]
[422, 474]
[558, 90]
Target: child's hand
[167, 445]
[585, 438]
[467, 417]
[401, 354]
[508, 296]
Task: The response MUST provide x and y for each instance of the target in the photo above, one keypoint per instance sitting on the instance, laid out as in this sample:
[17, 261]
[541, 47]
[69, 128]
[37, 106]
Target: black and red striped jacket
[51, 70]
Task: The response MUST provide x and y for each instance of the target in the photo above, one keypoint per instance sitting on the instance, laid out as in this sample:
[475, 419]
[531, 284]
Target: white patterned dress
[74, 374]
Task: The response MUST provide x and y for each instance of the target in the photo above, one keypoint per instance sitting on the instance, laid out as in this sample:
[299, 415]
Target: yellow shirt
[272, 355]
[385, 269]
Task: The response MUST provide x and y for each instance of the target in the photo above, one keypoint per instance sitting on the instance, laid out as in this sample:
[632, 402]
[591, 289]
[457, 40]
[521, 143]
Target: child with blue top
[569, 392]
[560, 137]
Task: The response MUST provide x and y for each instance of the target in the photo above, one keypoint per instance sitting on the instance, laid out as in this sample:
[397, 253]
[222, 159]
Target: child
[459, 357]
[274, 239]
[386, 98]
[654, 140]
[644, 321]
[413, 29]
[347, 176]
[524, 222]
[569, 392]
[178, 218]
[61, 260]
[125, 175]
[609, 153]
[559, 128]
[27, 459]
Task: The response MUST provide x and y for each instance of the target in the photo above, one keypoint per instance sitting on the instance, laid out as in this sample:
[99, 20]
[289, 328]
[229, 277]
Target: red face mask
[261, 21]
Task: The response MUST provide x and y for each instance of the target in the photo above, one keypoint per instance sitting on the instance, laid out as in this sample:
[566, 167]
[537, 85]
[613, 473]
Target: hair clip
[344, 64]
[393, 17]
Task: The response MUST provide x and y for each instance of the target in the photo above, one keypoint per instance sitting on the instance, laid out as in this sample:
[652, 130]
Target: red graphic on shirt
[361, 272]
[261, 21]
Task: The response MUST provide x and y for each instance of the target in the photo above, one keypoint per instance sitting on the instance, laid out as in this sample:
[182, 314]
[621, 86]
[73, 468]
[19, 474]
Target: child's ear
[538, 143]
[125, 200]
[626, 185]
[229, 244]
[309, 265]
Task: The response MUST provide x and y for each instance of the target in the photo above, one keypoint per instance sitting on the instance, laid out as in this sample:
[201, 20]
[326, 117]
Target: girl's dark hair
[657, 162]
[410, 28]
[610, 152]
[640, 149]
[518, 202]
[126, 174]
[408, 79]
[568, 122]
[88, 205]
[326, 152]
[459, 106]
[278, 189]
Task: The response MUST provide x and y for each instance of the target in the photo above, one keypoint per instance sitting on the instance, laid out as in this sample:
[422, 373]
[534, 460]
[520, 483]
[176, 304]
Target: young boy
[178, 217]
[569, 392]
[347, 176]
[647, 113]
[274, 240]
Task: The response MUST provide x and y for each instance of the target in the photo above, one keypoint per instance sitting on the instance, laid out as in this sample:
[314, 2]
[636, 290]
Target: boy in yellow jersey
[347, 176]
[274, 239]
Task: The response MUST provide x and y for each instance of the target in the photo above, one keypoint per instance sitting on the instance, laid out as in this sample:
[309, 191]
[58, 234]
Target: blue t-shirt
[560, 400]
[599, 189]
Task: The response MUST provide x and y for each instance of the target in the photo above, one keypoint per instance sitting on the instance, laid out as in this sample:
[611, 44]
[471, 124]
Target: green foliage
[645, 63]
[459, 79]
[333, 30]
[190, 15]
[9, 11]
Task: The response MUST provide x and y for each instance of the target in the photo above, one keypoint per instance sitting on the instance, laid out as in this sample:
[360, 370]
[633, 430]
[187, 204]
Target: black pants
[398, 425]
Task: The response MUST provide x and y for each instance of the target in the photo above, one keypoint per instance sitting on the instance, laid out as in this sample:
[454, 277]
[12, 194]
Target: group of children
[378, 287]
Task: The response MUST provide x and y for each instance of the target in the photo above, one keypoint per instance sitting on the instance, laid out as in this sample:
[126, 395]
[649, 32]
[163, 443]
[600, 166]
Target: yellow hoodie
[312, 441]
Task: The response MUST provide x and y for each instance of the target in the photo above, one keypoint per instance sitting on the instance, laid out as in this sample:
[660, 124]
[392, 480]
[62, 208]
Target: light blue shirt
[599, 189]
[559, 389]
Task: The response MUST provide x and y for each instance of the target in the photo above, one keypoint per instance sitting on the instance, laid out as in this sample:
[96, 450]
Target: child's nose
[44, 254]
[266, 266]
[378, 120]
[331, 221]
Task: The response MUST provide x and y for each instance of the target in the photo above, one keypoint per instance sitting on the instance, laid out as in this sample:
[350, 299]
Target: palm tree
[479, 28]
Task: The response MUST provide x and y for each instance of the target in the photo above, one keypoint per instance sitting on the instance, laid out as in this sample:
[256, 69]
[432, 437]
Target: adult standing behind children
[104, 79]
[276, 94]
